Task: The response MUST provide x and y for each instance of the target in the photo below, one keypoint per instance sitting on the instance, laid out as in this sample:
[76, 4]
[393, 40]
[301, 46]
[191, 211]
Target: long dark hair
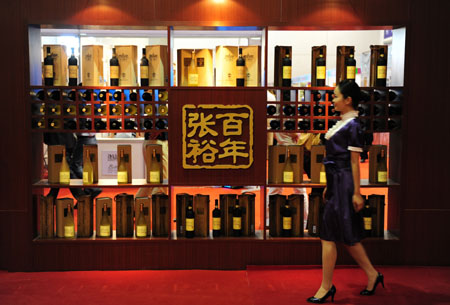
[350, 88]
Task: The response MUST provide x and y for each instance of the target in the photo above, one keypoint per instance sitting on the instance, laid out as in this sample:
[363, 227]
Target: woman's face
[341, 104]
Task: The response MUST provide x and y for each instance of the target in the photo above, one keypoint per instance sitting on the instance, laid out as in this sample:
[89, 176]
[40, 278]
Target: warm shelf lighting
[219, 1]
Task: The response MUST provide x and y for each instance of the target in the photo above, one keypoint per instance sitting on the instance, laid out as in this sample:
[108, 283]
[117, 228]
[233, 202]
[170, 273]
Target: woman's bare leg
[358, 252]
[329, 255]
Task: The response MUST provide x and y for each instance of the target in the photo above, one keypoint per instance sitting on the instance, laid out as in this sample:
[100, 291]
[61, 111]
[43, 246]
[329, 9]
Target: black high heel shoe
[380, 279]
[321, 300]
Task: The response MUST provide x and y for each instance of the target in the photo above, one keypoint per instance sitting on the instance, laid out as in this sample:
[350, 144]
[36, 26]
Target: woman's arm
[358, 201]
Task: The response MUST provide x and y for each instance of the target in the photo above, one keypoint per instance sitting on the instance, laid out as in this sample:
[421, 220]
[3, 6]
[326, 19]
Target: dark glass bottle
[70, 124]
[190, 218]
[274, 124]
[378, 110]
[49, 74]
[99, 124]
[38, 123]
[286, 214]
[331, 123]
[73, 69]
[319, 110]
[114, 69]
[56, 95]
[117, 95]
[240, 70]
[216, 216]
[237, 219]
[364, 110]
[393, 95]
[160, 124]
[148, 124]
[130, 124]
[271, 110]
[39, 95]
[89, 95]
[394, 124]
[133, 96]
[320, 69]
[350, 66]
[85, 124]
[286, 65]
[304, 110]
[316, 96]
[379, 96]
[73, 94]
[289, 125]
[304, 124]
[381, 70]
[105, 95]
[147, 96]
[367, 216]
[144, 68]
[319, 125]
[288, 110]
[378, 125]
[330, 95]
[394, 109]
[286, 95]
[332, 111]
[365, 96]
[114, 124]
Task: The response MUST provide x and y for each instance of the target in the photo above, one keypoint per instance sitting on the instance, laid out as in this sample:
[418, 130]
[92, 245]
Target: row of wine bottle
[319, 124]
[99, 109]
[99, 124]
[327, 95]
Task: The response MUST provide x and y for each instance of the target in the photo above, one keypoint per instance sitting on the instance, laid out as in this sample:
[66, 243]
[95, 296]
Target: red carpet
[258, 285]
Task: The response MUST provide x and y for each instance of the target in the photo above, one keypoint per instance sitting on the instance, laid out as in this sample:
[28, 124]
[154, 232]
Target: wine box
[247, 204]
[342, 52]
[55, 155]
[280, 52]
[374, 54]
[225, 60]
[160, 215]
[376, 203]
[252, 56]
[296, 203]
[148, 159]
[85, 216]
[374, 158]
[93, 155]
[182, 202]
[46, 217]
[146, 210]
[314, 55]
[98, 213]
[127, 56]
[124, 215]
[204, 63]
[92, 65]
[227, 202]
[61, 214]
[201, 210]
[60, 66]
[276, 202]
[127, 159]
[317, 155]
[277, 161]
[158, 67]
[315, 214]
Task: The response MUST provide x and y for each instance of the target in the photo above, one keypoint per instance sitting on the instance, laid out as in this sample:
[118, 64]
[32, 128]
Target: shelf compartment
[78, 183]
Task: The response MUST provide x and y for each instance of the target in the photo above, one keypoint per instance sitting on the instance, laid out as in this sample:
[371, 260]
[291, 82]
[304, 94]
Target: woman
[341, 220]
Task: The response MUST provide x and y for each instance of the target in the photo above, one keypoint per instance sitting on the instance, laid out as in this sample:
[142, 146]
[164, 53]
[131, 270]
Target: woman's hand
[358, 202]
[324, 195]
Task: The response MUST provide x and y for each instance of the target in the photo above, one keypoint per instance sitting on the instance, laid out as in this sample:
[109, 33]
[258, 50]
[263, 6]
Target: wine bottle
[323, 175]
[240, 70]
[319, 110]
[379, 96]
[70, 109]
[73, 69]
[304, 124]
[148, 124]
[100, 109]
[382, 168]
[393, 124]
[163, 95]
[89, 95]
[288, 171]
[289, 125]
[155, 169]
[367, 216]
[160, 124]
[320, 69]
[393, 96]
[114, 70]
[365, 96]
[56, 95]
[378, 124]
[237, 219]
[73, 94]
[286, 213]
[381, 69]
[105, 224]
[49, 74]
[330, 95]
[350, 64]
[162, 109]
[85, 124]
[319, 124]
[190, 218]
[332, 111]
[115, 124]
[105, 95]
[286, 65]
[122, 173]
[55, 109]
[70, 124]
[271, 110]
[316, 96]
[40, 108]
[69, 224]
[64, 171]
[38, 123]
[38, 95]
[141, 224]
[331, 123]
[288, 110]
[130, 124]
[133, 96]
[99, 124]
[192, 72]
[394, 109]
[286, 95]
[85, 109]
[216, 219]
[148, 109]
[378, 110]
[363, 110]
[115, 109]
[117, 95]
[274, 124]
[147, 96]
[304, 110]
[54, 123]
[144, 69]
[130, 109]
[88, 169]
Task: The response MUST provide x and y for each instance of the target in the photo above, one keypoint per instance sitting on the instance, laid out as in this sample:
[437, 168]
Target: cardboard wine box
[55, 155]
[60, 66]
[225, 60]
[296, 203]
[374, 158]
[46, 217]
[182, 201]
[277, 161]
[148, 159]
[92, 65]
[276, 202]
[127, 56]
[247, 204]
[280, 52]
[314, 55]
[317, 155]
[374, 54]
[227, 202]
[124, 215]
[127, 158]
[98, 213]
[61, 214]
[158, 66]
[85, 216]
[204, 63]
[146, 209]
[160, 215]
[93, 154]
[252, 56]
[201, 210]
[343, 52]
[376, 202]
[315, 214]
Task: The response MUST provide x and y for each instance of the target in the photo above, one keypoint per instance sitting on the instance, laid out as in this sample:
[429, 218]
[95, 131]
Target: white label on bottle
[314, 229]
[287, 72]
[114, 71]
[154, 176]
[69, 231]
[73, 71]
[287, 223]
[144, 72]
[367, 223]
[105, 231]
[64, 177]
[216, 223]
[351, 72]
[288, 177]
[122, 177]
[381, 72]
[237, 223]
[141, 231]
[320, 72]
[190, 224]
[323, 177]
[382, 176]
[48, 71]
[240, 71]
[193, 79]
[86, 178]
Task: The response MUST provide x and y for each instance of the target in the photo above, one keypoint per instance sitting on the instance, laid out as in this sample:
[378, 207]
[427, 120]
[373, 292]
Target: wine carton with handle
[55, 155]
[85, 216]
[247, 203]
[158, 67]
[160, 215]
[201, 210]
[127, 56]
[92, 65]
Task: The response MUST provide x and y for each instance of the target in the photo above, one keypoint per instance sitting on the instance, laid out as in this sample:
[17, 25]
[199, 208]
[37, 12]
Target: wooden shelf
[78, 183]
[363, 183]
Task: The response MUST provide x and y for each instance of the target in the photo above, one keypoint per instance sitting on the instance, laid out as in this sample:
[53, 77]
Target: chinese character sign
[217, 136]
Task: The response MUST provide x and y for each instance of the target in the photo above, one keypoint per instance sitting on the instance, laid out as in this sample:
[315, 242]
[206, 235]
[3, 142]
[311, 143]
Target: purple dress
[340, 222]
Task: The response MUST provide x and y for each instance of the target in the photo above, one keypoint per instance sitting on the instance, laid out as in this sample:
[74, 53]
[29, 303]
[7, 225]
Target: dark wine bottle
[304, 124]
[70, 124]
[274, 124]
[56, 95]
[114, 69]
[148, 124]
[73, 94]
[332, 111]
[73, 69]
[304, 110]
[316, 96]
[364, 110]
[378, 125]
[319, 110]
[160, 124]
[378, 110]
[99, 124]
[289, 125]
[394, 124]
[105, 95]
[54, 123]
[381, 69]
[330, 95]
[237, 219]
[331, 123]
[85, 124]
[320, 69]
[89, 95]
[216, 218]
[286, 95]
[240, 70]
[130, 124]
[365, 96]
[147, 96]
[190, 218]
[394, 109]
[367, 216]
[115, 124]
[288, 110]
[319, 125]
[379, 96]
[38, 123]
[133, 96]
[144, 68]
[85, 109]
[38, 95]
[286, 65]
[286, 214]
[271, 110]
[117, 95]
[350, 66]
[393, 95]
[49, 74]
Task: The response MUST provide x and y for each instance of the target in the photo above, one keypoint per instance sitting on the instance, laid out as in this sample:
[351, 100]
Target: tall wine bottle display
[382, 168]
[367, 216]
[49, 74]
[216, 218]
[88, 170]
[240, 70]
[237, 219]
[350, 64]
[381, 69]
[155, 169]
[105, 225]
[190, 218]
[64, 171]
[69, 225]
[122, 173]
[286, 63]
[288, 172]
[320, 69]
[114, 69]
[141, 225]
[73, 69]
[287, 220]
[144, 69]
[192, 72]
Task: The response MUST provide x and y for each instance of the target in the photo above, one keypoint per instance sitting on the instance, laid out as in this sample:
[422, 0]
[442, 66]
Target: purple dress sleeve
[355, 138]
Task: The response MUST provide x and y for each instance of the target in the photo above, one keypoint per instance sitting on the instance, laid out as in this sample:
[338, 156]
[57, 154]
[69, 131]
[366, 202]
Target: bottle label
[287, 72]
[240, 70]
[190, 224]
[86, 177]
[154, 176]
[323, 177]
[320, 73]
[193, 79]
[287, 223]
[64, 177]
[122, 177]
[288, 177]
[381, 72]
[73, 71]
[48, 71]
[351, 72]
[144, 72]
[382, 176]
[105, 231]
[216, 223]
[114, 71]
[141, 231]
[69, 231]
[367, 223]
[237, 223]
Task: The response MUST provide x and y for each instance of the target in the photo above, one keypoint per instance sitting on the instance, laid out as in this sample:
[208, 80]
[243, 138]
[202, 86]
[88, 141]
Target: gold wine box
[127, 158]
[374, 54]
[85, 216]
[315, 214]
[182, 201]
[314, 55]
[201, 210]
[227, 202]
[204, 63]
[160, 215]
[92, 65]
[148, 159]
[276, 202]
[61, 214]
[280, 52]
[93, 155]
[59, 56]
[277, 161]
[247, 204]
[98, 213]
[146, 209]
[55, 155]
[376, 202]
[374, 158]
[252, 56]
[127, 56]
[226, 57]
[317, 155]
[342, 52]
[124, 215]
[158, 66]
[296, 203]
[46, 217]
